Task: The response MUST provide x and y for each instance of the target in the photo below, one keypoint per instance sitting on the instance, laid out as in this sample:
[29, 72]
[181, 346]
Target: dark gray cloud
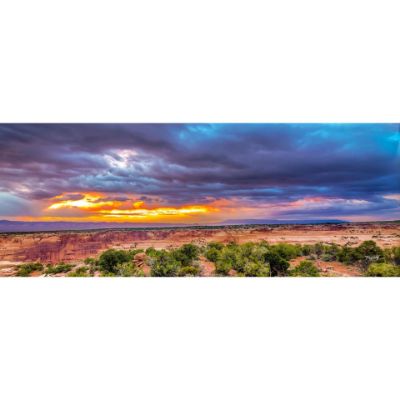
[190, 163]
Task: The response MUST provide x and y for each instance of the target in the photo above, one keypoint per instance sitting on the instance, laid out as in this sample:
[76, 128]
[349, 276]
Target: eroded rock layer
[54, 247]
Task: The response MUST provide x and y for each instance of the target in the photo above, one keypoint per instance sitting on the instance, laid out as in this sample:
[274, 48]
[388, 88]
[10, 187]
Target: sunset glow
[87, 202]
[199, 173]
[99, 209]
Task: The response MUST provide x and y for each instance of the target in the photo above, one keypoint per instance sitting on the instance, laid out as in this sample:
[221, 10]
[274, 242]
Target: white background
[199, 61]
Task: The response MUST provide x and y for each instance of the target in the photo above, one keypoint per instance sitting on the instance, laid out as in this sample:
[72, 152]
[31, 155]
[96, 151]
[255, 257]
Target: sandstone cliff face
[57, 247]
[76, 246]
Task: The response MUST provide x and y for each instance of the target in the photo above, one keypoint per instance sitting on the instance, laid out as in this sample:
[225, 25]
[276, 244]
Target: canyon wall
[54, 247]
[73, 246]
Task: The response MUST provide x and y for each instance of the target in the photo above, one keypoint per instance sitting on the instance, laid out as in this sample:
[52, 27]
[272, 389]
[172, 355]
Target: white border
[208, 61]
[192, 61]
[199, 338]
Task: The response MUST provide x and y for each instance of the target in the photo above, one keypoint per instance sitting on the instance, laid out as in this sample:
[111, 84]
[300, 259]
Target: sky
[199, 173]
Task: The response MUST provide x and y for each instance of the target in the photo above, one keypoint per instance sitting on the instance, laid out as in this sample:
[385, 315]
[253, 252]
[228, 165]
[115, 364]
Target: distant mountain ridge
[37, 226]
[283, 221]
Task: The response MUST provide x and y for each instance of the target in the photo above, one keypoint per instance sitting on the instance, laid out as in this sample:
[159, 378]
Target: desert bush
[27, 269]
[392, 255]
[382, 270]
[90, 261]
[232, 255]
[287, 251]
[212, 254]
[109, 260]
[58, 269]
[80, 272]
[318, 249]
[106, 274]
[186, 254]
[189, 271]
[215, 245]
[368, 252]
[133, 252]
[305, 268]
[164, 263]
[151, 252]
[396, 255]
[129, 269]
[222, 267]
[259, 254]
[331, 252]
[346, 255]
[247, 249]
[306, 250]
[256, 269]
[328, 257]
[165, 268]
[278, 265]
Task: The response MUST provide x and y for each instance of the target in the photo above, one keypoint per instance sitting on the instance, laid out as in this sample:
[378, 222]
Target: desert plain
[75, 246]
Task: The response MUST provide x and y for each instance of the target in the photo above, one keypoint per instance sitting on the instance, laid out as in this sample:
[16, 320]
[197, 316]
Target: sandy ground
[207, 267]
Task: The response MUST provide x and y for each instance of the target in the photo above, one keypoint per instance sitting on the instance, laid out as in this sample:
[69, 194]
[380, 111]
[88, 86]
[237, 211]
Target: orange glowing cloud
[160, 211]
[99, 207]
[89, 201]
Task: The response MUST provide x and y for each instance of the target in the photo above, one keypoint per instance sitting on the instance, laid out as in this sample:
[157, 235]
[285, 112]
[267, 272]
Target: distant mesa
[37, 226]
[282, 222]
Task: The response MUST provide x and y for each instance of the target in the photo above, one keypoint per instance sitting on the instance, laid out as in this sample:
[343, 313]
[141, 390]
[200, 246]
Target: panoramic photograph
[199, 200]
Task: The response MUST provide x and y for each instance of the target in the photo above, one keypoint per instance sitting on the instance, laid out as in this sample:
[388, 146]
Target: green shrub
[278, 265]
[347, 255]
[212, 254]
[133, 252]
[231, 257]
[151, 252]
[222, 267]
[258, 254]
[90, 261]
[256, 269]
[27, 269]
[186, 254]
[109, 260]
[58, 269]
[368, 252]
[164, 264]
[331, 252]
[396, 255]
[246, 249]
[129, 269]
[306, 250]
[105, 274]
[305, 268]
[318, 249]
[392, 255]
[382, 270]
[215, 245]
[328, 257]
[286, 251]
[79, 273]
[189, 271]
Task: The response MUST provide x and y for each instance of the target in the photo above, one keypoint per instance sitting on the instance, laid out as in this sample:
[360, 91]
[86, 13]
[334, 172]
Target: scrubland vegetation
[27, 269]
[259, 259]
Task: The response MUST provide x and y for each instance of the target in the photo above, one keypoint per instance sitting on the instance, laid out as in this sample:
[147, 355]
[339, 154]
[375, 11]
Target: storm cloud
[352, 166]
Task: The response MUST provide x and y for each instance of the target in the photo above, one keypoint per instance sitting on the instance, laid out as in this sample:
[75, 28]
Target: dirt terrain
[55, 247]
